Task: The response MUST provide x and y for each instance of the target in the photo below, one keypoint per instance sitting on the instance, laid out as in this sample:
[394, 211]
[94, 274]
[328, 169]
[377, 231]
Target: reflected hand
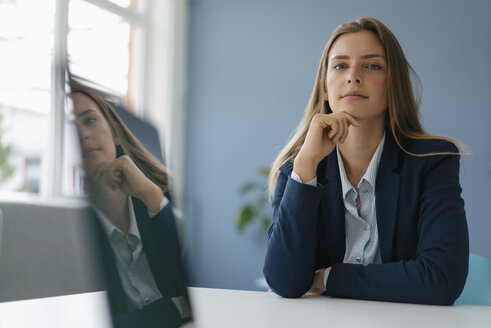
[123, 174]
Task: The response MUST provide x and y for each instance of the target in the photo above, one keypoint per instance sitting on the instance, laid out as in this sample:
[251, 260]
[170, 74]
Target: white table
[233, 308]
[74, 311]
[216, 308]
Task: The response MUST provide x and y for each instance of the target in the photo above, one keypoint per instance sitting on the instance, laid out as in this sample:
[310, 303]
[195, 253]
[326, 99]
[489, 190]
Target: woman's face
[97, 141]
[356, 79]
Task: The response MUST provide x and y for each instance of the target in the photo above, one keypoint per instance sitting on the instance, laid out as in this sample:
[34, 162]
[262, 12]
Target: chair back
[477, 289]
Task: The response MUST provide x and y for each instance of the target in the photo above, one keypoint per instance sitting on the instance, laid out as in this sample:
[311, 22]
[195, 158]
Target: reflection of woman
[127, 186]
[366, 204]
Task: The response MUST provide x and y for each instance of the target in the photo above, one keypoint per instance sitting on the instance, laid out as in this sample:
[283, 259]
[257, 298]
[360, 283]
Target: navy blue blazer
[421, 223]
[161, 245]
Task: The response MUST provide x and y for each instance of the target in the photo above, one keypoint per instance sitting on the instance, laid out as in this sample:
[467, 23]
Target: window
[26, 28]
[132, 48]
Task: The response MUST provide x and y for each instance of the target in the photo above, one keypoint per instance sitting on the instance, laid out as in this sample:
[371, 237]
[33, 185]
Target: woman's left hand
[318, 286]
[123, 174]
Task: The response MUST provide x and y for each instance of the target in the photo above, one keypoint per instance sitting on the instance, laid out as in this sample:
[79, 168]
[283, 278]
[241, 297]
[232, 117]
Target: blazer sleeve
[292, 237]
[438, 272]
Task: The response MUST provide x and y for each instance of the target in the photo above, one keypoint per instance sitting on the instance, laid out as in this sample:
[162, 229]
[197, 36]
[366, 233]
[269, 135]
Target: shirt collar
[370, 175]
[109, 228]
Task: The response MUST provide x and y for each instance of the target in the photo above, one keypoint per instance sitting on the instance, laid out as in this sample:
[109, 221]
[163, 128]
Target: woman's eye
[375, 67]
[89, 120]
[340, 66]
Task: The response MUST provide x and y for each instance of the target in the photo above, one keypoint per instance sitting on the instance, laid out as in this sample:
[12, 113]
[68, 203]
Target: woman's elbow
[285, 287]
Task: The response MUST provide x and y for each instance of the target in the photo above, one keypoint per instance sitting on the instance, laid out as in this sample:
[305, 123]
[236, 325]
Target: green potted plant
[257, 209]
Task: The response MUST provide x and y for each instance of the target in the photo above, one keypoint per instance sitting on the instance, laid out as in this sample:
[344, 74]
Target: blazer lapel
[387, 196]
[333, 210]
[150, 246]
[161, 245]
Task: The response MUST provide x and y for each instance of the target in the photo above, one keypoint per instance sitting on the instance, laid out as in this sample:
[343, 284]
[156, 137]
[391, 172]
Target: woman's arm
[292, 238]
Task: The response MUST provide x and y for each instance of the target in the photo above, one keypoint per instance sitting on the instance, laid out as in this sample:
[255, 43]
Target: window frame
[162, 57]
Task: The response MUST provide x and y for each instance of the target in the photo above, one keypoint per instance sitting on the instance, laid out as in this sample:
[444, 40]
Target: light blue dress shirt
[132, 264]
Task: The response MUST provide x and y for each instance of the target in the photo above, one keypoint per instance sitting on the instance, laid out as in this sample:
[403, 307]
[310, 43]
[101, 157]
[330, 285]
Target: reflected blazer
[161, 245]
[421, 224]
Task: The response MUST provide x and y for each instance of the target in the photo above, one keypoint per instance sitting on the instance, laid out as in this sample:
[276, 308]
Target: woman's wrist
[305, 168]
[152, 198]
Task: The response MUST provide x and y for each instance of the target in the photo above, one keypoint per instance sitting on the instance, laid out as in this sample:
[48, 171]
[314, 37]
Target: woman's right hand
[123, 174]
[325, 131]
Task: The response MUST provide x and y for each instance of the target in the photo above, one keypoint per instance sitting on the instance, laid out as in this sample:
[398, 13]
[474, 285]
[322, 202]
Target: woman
[128, 188]
[366, 203]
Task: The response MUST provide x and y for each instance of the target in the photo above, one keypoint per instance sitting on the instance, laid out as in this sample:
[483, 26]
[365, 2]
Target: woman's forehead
[82, 102]
[356, 44]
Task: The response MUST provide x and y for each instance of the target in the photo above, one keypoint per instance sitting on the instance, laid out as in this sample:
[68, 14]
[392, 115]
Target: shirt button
[147, 300]
[365, 228]
[358, 259]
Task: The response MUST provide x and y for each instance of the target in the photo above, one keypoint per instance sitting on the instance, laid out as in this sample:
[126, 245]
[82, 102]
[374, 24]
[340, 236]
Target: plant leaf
[248, 187]
[264, 172]
[244, 217]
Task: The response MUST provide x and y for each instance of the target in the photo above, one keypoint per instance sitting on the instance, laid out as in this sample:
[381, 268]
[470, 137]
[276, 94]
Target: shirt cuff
[326, 275]
[163, 204]
[296, 177]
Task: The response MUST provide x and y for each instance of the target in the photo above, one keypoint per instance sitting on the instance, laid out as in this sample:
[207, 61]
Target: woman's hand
[318, 286]
[325, 131]
[123, 174]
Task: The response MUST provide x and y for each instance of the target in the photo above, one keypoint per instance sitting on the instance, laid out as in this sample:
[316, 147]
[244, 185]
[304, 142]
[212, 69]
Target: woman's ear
[326, 97]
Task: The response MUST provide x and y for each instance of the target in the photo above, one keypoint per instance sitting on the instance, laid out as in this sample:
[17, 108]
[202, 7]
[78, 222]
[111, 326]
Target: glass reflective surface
[113, 255]
[128, 189]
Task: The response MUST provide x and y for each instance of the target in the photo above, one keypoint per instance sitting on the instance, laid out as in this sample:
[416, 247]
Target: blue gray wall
[251, 71]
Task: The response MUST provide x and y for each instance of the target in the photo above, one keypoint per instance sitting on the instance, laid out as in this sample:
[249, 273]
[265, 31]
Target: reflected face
[356, 79]
[97, 140]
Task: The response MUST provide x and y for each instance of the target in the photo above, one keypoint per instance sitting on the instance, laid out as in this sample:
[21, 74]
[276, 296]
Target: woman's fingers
[334, 128]
[325, 131]
[351, 120]
[338, 125]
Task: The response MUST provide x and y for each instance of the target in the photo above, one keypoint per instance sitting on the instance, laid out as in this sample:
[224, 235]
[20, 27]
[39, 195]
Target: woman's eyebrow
[372, 56]
[85, 112]
[362, 57]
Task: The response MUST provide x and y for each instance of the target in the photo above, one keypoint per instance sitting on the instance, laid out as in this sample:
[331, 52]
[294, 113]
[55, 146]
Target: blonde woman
[128, 188]
[366, 203]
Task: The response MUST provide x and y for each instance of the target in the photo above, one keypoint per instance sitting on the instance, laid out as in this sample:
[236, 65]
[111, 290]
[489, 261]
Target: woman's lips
[89, 151]
[354, 97]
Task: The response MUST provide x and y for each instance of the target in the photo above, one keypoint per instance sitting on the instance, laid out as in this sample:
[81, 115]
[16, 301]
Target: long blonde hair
[403, 108]
[130, 145]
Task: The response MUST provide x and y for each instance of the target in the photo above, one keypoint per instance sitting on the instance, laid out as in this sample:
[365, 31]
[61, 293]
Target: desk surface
[74, 311]
[216, 308]
[233, 308]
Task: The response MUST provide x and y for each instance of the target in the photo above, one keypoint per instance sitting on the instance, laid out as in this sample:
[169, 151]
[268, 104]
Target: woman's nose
[82, 133]
[354, 76]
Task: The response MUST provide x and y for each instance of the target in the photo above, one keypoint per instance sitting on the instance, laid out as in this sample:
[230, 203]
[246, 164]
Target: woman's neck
[359, 147]
[113, 203]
